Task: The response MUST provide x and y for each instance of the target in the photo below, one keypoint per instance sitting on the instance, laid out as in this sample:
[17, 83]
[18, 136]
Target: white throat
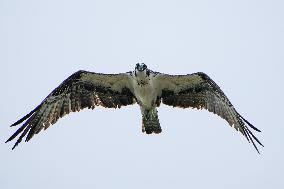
[141, 75]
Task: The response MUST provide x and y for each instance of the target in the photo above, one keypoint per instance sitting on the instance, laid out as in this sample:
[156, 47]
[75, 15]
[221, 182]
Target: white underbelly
[145, 95]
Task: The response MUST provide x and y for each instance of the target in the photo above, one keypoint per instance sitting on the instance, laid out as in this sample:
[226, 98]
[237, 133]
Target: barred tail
[150, 122]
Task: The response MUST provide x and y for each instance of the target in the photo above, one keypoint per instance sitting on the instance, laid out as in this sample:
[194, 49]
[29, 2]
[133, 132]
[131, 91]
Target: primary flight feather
[148, 89]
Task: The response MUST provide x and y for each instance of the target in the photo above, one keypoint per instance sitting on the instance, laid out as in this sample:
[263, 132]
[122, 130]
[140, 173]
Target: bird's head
[141, 71]
[140, 67]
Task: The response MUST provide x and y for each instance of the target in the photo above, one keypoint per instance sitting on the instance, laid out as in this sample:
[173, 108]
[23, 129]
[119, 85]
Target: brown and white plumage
[147, 88]
[81, 90]
[199, 91]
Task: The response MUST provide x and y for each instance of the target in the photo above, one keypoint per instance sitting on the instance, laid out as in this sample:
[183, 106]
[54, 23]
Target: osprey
[143, 86]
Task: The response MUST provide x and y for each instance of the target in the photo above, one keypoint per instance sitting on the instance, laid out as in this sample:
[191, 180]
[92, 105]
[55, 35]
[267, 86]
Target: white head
[141, 71]
[140, 67]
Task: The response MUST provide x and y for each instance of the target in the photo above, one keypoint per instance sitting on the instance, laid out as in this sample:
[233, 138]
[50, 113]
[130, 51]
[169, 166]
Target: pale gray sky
[239, 44]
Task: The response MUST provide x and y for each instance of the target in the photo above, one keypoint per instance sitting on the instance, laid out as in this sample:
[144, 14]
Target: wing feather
[81, 90]
[199, 91]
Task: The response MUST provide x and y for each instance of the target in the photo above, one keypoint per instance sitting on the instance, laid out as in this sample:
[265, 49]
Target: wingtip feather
[251, 137]
[25, 117]
[251, 125]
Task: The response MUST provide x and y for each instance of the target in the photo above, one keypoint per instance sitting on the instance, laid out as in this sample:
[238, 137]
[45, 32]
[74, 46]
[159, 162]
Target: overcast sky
[239, 44]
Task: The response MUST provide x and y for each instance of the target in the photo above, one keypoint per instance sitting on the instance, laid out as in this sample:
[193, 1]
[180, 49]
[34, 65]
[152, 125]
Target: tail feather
[150, 122]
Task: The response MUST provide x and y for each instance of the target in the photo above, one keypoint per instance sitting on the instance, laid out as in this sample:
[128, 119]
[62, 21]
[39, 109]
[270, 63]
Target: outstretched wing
[81, 90]
[199, 91]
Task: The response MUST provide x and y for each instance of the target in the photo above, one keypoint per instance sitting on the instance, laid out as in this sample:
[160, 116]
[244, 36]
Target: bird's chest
[145, 94]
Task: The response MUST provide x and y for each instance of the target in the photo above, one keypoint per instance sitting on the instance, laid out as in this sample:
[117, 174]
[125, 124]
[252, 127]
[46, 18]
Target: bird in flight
[143, 86]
